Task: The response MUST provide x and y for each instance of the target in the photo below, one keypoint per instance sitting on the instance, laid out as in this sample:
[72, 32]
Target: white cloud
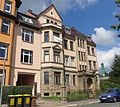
[104, 37]
[62, 5]
[107, 56]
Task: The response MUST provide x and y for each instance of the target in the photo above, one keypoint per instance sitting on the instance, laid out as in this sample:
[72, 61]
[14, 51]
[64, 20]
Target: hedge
[77, 96]
[13, 90]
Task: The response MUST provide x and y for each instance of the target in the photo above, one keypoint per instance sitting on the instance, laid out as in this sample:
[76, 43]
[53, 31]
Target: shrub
[22, 90]
[13, 90]
[76, 96]
[7, 90]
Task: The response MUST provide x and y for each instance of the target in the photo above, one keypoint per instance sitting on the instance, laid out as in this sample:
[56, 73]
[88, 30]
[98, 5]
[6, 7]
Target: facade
[8, 10]
[53, 58]
[26, 62]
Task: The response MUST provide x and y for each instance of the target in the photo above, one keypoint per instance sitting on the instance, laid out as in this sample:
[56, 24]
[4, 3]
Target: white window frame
[9, 5]
[56, 56]
[27, 20]
[66, 60]
[30, 34]
[45, 55]
[25, 54]
[5, 24]
[6, 50]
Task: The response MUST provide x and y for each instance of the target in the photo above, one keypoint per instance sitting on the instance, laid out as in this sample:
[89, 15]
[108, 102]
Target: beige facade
[57, 61]
[26, 73]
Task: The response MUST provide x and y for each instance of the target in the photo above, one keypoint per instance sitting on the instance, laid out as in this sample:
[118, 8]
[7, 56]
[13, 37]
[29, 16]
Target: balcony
[51, 24]
[57, 39]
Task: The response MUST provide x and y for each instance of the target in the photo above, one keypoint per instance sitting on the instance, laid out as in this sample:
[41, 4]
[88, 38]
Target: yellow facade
[7, 38]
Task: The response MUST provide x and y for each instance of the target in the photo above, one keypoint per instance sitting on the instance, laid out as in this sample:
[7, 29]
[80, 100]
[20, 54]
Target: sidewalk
[49, 103]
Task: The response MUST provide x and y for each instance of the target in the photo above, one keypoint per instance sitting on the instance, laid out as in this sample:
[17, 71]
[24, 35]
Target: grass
[55, 98]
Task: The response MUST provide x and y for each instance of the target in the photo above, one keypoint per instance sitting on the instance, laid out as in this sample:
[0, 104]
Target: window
[94, 65]
[27, 35]
[93, 52]
[5, 26]
[90, 65]
[80, 68]
[55, 23]
[88, 49]
[81, 43]
[46, 94]
[46, 55]
[56, 34]
[26, 56]
[65, 44]
[72, 61]
[47, 21]
[71, 45]
[74, 80]
[26, 19]
[66, 61]
[79, 54]
[46, 77]
[3, 50]
[57, 78]
[46, 36]
[78, 42]
[82, 56]
[8, 6]
[67, 79]
[56, 56]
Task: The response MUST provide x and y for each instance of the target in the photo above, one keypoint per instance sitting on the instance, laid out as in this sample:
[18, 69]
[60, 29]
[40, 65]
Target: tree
[117, 27]
[115, 70]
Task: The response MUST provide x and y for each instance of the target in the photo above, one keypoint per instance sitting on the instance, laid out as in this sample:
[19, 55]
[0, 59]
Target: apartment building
[42, 52]
[26, 62]
[8, 10]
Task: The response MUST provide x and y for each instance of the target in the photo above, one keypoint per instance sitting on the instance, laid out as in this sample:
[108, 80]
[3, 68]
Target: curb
[79, 104]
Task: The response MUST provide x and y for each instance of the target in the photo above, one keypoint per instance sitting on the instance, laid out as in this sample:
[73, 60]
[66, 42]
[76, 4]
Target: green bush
[76, 96]
[13, 90]
[22, 90]
[104, 85]
[7, 90]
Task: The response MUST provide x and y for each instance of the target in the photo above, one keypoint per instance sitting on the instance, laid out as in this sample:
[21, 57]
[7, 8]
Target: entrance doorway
[25, 79]
[89, 83]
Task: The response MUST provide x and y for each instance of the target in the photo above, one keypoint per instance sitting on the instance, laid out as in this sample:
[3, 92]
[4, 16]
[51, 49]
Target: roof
[90, 41]
[52, 5]
[18, 3]
[33, 24]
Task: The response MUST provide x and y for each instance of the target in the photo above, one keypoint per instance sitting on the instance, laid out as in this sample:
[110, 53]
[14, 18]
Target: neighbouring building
[26, 62]
[8, 12]
[53, 58]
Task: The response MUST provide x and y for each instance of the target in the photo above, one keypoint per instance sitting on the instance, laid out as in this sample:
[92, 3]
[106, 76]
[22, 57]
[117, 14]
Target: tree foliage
[115, 70]
[117, 26]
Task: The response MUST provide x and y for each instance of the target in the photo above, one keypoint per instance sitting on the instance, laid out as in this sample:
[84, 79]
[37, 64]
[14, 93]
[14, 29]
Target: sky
[92, 17]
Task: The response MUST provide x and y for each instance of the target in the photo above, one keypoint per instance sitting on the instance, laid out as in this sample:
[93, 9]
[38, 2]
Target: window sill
[27, 42]
[5, 33]
[26, 63]
[3, 59]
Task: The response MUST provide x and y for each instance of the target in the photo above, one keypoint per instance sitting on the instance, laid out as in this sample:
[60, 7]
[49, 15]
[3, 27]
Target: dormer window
[51, 13]
[27, 20]
[8, 6]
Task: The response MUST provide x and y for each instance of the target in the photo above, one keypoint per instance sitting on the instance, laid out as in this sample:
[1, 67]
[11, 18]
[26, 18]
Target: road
[103, 105]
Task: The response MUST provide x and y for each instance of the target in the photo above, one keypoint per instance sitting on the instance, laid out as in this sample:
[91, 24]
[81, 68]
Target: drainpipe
[63, 97]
